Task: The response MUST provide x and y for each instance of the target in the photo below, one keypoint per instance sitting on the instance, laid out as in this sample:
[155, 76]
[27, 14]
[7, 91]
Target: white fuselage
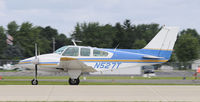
[51, 62]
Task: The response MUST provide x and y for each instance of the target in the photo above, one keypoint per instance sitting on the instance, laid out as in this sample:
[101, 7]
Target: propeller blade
[36, 60]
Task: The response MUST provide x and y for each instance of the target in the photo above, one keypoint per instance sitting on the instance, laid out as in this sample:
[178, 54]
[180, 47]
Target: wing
[68, 63]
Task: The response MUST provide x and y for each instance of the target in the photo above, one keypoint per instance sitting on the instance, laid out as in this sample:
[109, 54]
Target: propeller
[35, 62]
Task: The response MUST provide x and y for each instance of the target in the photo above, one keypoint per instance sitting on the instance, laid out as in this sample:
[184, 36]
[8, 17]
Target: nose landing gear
[34, 82]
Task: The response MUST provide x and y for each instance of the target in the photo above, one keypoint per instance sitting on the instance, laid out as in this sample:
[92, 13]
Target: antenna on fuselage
[116, 47]
[74, 42]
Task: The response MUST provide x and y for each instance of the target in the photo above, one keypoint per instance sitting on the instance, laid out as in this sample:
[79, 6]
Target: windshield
[71, 51]
[60, 50]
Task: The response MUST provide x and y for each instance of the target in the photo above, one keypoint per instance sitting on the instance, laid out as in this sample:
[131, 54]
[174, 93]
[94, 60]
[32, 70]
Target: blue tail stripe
[119, 53]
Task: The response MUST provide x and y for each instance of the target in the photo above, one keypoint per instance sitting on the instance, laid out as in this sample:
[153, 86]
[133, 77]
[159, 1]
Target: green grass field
[8, 71]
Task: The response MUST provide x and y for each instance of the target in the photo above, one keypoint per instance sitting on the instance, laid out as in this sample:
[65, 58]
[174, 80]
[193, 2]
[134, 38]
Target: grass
[144, 78]
[29, 83]
[31, 77]
[8, 71]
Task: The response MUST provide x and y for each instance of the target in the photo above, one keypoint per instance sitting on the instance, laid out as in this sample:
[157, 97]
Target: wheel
[34, 82]
[74, 81]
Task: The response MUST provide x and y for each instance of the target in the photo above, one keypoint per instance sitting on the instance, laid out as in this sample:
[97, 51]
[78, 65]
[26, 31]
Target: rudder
[163, 42]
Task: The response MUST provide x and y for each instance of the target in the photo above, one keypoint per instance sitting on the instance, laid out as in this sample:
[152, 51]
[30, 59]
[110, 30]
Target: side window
[100, 53]
[85, 52]
[71, 51]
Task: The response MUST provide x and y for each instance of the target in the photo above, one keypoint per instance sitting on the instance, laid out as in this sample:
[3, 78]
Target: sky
[64, 14]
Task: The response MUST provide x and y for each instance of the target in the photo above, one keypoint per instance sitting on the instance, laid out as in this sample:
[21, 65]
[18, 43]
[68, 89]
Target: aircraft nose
[25, 63]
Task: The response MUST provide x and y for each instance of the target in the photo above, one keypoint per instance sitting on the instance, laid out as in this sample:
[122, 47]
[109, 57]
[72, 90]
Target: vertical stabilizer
[164, 40]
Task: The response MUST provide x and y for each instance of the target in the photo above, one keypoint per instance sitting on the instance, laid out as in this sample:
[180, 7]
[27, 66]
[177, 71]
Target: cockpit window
[85, 52]
[71, 51]
[60, 50]
[100, 53]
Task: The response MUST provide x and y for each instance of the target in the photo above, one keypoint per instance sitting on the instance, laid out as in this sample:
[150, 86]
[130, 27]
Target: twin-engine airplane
[76, 60]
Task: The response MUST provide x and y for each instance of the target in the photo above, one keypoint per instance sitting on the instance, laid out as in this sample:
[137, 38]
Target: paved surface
[98, 93]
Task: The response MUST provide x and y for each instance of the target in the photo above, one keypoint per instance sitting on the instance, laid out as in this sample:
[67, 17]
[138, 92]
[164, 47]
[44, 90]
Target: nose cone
[26, 63]
[42, 60]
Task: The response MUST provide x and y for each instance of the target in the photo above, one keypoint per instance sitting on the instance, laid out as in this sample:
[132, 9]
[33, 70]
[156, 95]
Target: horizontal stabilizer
[152, 57]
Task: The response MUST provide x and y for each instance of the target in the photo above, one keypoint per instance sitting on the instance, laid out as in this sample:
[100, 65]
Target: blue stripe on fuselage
[138, 54]
[160, 53]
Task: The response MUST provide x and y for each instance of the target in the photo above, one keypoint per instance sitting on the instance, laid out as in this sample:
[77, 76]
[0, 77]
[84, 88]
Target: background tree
[192, 32]
[93, 34]
[129, 36]
[119, 36]
[138, 44]
[62, 40]
[146, 31]
[187, 48]
[12, 52]
[2, 41]
[12, 28]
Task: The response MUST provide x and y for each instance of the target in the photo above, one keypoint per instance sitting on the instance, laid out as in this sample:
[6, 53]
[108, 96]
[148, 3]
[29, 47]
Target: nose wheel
[74, 81]
[34, 82]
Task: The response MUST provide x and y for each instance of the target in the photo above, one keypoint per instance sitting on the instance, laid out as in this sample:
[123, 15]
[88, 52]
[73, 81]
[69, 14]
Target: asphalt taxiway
[99, 93]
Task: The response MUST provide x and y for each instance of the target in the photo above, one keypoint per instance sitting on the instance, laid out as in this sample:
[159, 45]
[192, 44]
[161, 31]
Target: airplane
[76, 60]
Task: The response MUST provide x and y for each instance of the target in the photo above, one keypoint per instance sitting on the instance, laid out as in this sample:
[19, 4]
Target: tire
[34, 82]
[74, 81]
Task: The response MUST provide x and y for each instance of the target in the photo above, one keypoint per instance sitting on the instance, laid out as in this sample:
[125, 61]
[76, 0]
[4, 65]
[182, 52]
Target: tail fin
[163, 42]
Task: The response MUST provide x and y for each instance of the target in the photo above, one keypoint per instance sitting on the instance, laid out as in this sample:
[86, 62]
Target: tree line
[125, 36]
[25, 36]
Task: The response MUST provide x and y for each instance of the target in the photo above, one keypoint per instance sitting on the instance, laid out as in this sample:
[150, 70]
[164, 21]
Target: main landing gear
[74, 81]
